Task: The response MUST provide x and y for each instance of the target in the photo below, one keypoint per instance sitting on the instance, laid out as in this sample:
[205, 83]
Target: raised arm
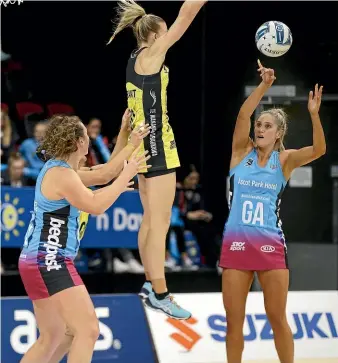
[122, 138]
[241, 134]
[185, 17]
[297, 158]
[71, 188]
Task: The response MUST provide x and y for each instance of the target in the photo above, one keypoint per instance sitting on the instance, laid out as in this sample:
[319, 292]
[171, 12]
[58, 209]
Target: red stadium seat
[4, 107]
[25, 108]
[59, 108]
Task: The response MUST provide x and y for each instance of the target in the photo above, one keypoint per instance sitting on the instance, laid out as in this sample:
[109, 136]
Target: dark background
[62, 46]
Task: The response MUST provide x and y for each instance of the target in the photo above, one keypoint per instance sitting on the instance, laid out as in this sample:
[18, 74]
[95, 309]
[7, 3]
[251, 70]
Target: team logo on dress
[237, 246]
[268, 249]
[249, 162]
[273, 167]
[153, 95]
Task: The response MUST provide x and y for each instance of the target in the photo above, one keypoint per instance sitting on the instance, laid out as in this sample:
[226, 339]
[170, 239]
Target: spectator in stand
[120, 260]
[29, 146]
[14, 177]
[98, 152]
[8, 137]
[177, 227]
[16, 174]
[198, 220]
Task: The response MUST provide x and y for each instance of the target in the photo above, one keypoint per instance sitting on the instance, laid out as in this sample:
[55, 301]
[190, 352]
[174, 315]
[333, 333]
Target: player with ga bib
[253, 239]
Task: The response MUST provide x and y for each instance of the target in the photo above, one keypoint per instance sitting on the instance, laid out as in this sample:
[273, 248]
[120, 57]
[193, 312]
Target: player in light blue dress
[253, 238]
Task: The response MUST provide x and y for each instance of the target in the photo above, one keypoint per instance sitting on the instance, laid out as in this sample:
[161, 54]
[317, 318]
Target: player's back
[52, 235]
[147, 101]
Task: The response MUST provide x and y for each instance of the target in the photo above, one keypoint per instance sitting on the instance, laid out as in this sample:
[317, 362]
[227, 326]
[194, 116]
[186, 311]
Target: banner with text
[313, 317]
[125, 336]
[115, 228]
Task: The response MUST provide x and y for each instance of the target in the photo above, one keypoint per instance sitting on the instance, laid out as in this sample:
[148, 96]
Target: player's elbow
[96, 210]
[320, 151]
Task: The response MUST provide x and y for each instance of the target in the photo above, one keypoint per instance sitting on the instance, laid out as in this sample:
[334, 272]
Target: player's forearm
[106, 196]
[319, 143]
[251, 103]
[191, 8]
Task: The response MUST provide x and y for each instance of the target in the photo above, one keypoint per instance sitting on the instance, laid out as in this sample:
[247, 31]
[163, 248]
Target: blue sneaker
[146, 290]
[168, 306]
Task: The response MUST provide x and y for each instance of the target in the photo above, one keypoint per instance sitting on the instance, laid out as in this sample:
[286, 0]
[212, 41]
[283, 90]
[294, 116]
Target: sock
[161, 296]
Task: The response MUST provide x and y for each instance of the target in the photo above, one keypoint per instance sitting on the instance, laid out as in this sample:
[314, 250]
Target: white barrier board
[313, 317]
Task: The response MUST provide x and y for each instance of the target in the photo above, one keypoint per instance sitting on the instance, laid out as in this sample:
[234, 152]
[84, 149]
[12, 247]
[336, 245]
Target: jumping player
[253, 237]
[62, 305]
[146, 82]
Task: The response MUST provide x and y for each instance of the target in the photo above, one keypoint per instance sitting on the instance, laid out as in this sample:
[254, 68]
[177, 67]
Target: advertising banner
[117, 227]
[313, 317]
[124, 332]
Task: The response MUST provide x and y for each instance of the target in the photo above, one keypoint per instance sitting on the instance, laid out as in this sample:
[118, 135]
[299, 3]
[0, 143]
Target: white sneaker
[119, 266]
[188, 264]
[135, 267]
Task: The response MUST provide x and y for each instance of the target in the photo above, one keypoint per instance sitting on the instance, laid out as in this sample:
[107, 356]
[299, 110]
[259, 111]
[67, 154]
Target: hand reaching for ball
[267, 74]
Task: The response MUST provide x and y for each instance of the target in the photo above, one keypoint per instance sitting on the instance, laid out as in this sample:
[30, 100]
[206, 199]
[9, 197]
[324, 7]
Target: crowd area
[192, 240]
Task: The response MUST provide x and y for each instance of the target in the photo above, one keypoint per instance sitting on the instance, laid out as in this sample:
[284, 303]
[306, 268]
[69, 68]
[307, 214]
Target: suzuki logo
[187, 336]
[267, 248]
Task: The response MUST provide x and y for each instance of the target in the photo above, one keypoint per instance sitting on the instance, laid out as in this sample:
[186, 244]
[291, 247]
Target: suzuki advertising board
[313, 317]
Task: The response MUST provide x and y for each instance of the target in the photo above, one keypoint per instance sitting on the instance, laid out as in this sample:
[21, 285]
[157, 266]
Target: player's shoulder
[62, 173]
[283, 155]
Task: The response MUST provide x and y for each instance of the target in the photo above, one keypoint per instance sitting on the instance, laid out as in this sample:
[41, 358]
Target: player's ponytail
[130, 14]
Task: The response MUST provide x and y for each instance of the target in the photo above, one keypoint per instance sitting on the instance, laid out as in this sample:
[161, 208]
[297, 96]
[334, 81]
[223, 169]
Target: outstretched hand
[138, 134]
[315, 99]
[267, 74]
[125, 125]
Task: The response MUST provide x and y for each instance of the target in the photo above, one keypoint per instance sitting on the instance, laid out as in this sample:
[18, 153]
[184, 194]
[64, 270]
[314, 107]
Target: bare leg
[145, 226]
[79, 315]
[275, 285]
[52, 330]
[63, 348]
[160, 197]
[235, 287]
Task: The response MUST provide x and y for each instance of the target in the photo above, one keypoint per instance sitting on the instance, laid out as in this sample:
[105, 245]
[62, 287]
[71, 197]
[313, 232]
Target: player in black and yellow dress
[146, 82]
[147, 101]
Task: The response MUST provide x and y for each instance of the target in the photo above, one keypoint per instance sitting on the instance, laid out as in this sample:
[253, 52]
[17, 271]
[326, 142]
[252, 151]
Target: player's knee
[277, 318]
[235, 322]
[87, 329]
[160, 220]
[146, 221]
[93, 331]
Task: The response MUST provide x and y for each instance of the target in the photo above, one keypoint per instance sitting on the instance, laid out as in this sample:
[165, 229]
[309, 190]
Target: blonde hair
[7, 129]
[130, 14]
[281, 120]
